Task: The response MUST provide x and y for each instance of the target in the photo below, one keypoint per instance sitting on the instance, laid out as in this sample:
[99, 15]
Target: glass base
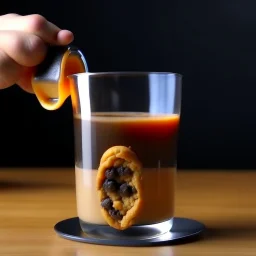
[135, 232]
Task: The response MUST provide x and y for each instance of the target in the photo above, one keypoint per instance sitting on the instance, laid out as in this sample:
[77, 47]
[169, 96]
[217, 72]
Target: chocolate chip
[120, 170]
[110, 186]
[124, 171]
[115, 214]
[111, 173]
[125, 190]
[107, 203]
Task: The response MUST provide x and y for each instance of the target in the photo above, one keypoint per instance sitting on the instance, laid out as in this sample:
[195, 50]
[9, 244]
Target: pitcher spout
[50, 82]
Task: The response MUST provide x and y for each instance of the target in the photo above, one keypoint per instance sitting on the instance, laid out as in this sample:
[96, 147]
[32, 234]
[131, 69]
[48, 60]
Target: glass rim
[125, 73]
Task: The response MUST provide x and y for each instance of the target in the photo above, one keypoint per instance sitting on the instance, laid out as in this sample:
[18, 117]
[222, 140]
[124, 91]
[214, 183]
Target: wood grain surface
[32, 201]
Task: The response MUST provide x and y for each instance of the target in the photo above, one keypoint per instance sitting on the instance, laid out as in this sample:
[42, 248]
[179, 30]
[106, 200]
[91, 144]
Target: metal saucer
[183, 231]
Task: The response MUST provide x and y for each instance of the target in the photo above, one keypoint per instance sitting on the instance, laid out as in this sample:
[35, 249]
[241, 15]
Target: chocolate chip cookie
[119, 186]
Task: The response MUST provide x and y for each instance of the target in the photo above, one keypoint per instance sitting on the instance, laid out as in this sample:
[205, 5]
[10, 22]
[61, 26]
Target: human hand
[23, 45]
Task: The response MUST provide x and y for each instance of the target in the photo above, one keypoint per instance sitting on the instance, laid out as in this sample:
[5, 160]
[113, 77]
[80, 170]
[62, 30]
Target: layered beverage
[152, 138]
[125, 159]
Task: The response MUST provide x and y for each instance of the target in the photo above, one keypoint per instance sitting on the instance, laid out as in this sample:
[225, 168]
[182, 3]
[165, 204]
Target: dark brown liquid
[153, 139]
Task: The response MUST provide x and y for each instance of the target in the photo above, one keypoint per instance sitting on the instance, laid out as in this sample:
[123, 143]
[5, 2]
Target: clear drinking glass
[138, 110]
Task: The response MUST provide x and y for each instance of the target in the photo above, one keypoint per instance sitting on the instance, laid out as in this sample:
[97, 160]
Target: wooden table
[33, 201]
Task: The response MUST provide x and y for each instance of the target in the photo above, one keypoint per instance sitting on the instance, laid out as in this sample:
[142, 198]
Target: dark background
[211, 43]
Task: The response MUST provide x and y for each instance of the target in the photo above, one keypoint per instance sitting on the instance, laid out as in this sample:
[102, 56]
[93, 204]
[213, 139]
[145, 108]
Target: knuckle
[36, 22]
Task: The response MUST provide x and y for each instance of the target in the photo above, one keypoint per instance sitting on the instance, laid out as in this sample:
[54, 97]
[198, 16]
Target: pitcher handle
[50, 82]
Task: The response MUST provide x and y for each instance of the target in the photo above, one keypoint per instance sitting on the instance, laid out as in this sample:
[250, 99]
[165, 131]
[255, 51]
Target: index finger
[40, 26]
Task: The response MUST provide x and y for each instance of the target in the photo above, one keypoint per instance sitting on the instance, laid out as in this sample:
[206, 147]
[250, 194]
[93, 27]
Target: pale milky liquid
[158, 196]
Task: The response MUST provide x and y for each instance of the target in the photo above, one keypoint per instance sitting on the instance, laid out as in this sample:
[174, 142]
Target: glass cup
[139, 111]
[125, 128]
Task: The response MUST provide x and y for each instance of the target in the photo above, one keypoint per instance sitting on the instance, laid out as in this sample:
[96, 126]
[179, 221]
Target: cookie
[119, 186]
